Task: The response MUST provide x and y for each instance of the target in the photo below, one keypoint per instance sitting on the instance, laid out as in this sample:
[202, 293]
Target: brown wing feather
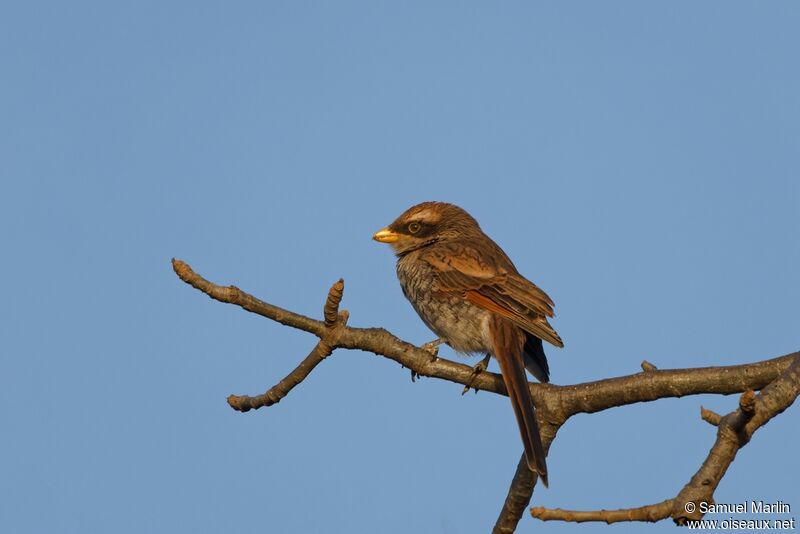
[535, 324]
[498, 288]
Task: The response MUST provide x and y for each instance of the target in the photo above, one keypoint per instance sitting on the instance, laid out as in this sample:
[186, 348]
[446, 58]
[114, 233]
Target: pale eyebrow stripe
[426, 215]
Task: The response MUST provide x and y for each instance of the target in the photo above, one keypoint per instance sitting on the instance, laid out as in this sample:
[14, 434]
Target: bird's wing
[489, 280]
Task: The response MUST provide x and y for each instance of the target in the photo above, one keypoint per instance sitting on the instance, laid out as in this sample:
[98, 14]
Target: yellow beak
[386, 236]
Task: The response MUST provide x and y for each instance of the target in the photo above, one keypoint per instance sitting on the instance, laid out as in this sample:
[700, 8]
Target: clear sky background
[639, 161]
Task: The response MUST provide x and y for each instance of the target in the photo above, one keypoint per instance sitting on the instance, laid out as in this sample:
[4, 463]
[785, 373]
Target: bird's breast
[463, 325]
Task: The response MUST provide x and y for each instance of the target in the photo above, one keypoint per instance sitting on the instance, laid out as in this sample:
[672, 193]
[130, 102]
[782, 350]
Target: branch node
[182, 269]
[648, 367]
[747, 404]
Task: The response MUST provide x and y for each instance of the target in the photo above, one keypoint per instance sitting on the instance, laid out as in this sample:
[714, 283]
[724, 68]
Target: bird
[467, 290]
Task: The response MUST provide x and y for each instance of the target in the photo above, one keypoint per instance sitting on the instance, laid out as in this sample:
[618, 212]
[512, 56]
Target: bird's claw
[432, 347]
[477, 369]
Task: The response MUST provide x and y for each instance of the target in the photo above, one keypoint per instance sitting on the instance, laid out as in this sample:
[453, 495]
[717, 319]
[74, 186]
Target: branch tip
[239, 403]
[182, 269]
[710, 416]
[331, 309]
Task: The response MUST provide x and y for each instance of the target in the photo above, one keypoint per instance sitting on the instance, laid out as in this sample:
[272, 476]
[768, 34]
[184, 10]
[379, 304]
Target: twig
[245, 403]
[651, 513]
[331, 309]
[709, 416]
[334, 322]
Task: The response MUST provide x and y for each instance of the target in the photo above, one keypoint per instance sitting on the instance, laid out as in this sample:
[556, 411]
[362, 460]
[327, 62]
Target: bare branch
[334, 322]
[591, 397]
[651, 513]
[778, 377]
[734, 432]
[234, 295]
[245, 403]
[587, 397]
[518, 498]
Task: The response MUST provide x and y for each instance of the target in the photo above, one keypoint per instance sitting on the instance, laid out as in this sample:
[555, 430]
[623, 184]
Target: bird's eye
[414, 227]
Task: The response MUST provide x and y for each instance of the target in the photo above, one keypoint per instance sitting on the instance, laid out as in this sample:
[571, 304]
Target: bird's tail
[508, 341]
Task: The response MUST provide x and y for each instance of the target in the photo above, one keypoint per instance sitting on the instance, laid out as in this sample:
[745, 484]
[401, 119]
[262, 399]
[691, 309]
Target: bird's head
[427, 223]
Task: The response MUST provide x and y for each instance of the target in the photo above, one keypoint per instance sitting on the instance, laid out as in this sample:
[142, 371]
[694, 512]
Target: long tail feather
[508, 341]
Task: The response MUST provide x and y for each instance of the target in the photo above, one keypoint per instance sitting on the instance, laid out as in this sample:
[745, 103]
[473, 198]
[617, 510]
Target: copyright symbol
[689, 507]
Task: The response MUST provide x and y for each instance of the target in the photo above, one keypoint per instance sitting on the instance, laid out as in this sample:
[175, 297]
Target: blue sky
[639, 161]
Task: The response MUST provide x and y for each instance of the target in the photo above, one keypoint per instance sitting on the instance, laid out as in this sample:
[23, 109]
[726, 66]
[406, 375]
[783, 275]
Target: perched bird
[467, 290]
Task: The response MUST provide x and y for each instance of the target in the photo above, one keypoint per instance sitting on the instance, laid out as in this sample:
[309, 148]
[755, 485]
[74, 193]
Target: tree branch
[591, 397]
[518, 497]
[245, 403]
[734, 432]
[334, 322]
[651, 513]
[556, 404]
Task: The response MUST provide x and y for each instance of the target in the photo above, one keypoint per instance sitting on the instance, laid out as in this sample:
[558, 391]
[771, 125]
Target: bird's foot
[432, 347]
[479, 367]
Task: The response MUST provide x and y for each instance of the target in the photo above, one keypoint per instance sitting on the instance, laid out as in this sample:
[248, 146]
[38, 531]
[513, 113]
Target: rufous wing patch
[539, 326]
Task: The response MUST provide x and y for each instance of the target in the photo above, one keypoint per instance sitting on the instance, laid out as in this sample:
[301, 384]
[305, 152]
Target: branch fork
[335, 322]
